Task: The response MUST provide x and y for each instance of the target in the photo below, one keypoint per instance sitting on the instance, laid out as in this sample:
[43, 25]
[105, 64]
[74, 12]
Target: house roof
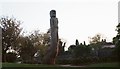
[108, 45]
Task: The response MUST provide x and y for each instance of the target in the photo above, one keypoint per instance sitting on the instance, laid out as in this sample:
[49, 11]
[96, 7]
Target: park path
[70, 66]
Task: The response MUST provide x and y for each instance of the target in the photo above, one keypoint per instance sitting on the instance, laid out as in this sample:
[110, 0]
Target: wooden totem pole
[0, 47]
[52, 51]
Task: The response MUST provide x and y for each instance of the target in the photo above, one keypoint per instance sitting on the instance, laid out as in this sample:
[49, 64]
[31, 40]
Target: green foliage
[80, 54]
[27, 51]
[11, 57]
[95, 39]
[116, 41]
[82, 51]
[77, 42]
[31, 44]
[25, 46]
[10, 34]
[94, 52]
[63, 61]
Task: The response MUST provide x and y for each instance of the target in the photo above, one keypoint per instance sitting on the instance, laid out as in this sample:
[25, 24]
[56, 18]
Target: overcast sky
[78, 19]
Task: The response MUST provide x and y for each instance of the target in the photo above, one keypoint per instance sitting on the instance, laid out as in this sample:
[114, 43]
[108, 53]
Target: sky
[78, 19]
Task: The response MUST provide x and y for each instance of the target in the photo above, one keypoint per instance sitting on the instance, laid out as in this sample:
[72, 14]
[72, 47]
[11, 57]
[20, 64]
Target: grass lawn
[58, 66]
[104, 65]
[25, 65]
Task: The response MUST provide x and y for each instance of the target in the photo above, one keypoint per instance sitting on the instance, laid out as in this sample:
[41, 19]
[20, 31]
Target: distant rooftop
[108, 45]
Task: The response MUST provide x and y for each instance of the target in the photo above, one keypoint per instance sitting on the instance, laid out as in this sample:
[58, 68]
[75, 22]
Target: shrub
[63, 61]
[11, 57]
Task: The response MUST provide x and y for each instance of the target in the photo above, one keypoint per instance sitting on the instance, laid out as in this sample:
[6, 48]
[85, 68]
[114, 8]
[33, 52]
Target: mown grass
[39, 66]
[26, 65]
[104, 65]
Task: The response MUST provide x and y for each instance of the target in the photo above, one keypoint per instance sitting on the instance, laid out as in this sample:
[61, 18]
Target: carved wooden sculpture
[52, 51]
[0, 47]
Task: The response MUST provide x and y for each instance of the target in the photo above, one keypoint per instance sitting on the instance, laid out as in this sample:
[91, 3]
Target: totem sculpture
[52, 51]
[0, 47]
